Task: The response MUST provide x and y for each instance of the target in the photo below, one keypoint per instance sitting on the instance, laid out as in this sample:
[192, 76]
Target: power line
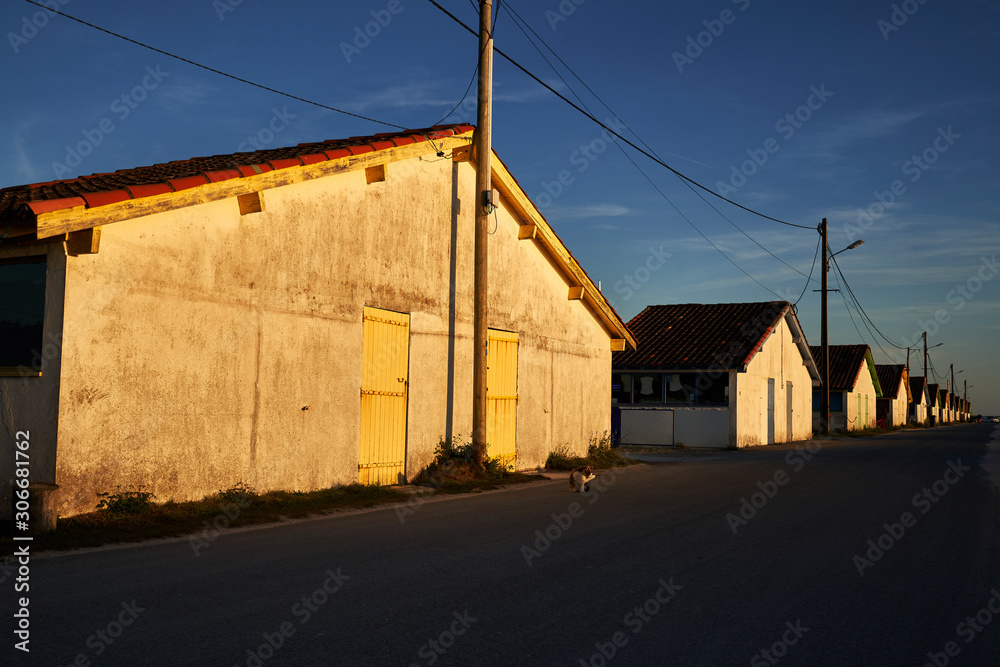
[215, 71]
[517, 18]
[862, 310]
[613, 132]
[809, 278]
[518, 21]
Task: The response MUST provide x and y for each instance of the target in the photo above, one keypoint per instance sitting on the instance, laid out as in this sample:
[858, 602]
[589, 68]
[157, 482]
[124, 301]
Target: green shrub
[240, 493]
[134, 501]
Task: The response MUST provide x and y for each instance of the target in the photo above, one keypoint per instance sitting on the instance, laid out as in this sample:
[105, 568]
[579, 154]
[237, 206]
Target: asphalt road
[654, 567]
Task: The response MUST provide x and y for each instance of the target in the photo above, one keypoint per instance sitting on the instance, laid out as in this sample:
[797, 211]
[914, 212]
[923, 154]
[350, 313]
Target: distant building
[714, 375]
[892, 407]
[854, 388]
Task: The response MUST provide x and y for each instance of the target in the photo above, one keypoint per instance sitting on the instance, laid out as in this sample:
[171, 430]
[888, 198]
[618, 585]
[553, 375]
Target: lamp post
[824, 404]
[930, 408]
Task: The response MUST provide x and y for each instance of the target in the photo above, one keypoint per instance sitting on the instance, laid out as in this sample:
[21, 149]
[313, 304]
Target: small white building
[918, 399]
[934, 410]
[892, 407]
[714, 375]
[854, 388]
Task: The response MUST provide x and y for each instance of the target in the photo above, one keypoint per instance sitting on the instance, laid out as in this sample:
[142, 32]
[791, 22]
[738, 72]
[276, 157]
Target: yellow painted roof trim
[544, 236]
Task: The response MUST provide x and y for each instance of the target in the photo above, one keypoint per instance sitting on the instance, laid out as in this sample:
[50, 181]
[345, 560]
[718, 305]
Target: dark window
[647, 388]
[713, 388]
[621, 388]
[836, 401]
[679, 387]
[22, 311]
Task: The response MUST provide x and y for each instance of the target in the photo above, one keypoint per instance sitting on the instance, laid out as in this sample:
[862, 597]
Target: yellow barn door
[385, 360]
[501, 397]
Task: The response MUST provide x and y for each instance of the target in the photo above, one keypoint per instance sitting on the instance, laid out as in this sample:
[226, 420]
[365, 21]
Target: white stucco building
[293, 318]
[714, 375]
[854, 388]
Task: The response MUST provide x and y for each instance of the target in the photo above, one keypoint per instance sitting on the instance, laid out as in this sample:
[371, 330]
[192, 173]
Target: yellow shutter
[501, 397]
[384, 377]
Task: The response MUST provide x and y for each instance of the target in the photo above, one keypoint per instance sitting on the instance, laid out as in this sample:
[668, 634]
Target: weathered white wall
[779, 358]
[31, 403]
[195, 338]
[865, 388]
[702, 426]
[647, 426]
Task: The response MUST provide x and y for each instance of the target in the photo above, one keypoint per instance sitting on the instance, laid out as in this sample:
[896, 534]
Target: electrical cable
[215, 71]
[862, 310]
[518, 21]
[809, 278]
[613, 132]
[518, 18]
[842, 282]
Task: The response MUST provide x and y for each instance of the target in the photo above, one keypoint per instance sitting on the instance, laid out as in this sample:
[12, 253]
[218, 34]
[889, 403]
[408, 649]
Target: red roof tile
[106, 197]
[846, 364]
[918, 384]
[890, 377]
[699, 336]
[27, 201]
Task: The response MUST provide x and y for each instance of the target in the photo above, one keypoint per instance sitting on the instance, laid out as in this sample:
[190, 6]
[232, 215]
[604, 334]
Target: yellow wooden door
[385, 360]
[501, 397]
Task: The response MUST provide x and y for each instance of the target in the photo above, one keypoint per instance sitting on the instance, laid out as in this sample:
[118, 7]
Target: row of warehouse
[302, 317]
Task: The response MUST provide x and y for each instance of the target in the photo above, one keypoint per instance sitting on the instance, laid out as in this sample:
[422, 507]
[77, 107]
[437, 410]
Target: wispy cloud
[588, 211]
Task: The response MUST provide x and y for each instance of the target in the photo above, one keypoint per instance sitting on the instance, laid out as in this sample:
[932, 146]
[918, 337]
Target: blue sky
[880, 116]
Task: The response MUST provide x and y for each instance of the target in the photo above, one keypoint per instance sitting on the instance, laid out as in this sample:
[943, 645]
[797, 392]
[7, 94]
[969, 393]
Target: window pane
[621, 388]
[679, 387]
[713, 389]
[22, 311]
[648, 388]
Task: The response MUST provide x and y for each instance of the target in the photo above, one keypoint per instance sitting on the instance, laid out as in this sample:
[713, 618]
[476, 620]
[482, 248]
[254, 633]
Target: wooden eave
[535, 228]
[64, 221]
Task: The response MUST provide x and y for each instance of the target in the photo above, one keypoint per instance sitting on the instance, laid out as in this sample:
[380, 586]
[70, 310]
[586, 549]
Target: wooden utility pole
[824, 362]
[483, 150]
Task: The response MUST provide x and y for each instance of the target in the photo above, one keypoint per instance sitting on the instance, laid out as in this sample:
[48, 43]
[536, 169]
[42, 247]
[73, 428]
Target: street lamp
[824, 404]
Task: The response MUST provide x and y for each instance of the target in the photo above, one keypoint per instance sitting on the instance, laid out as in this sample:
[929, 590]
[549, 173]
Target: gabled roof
[934, 392]
[42, 212]
[892, 378]
[699, 336]
[918, 389]
[846, 364]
